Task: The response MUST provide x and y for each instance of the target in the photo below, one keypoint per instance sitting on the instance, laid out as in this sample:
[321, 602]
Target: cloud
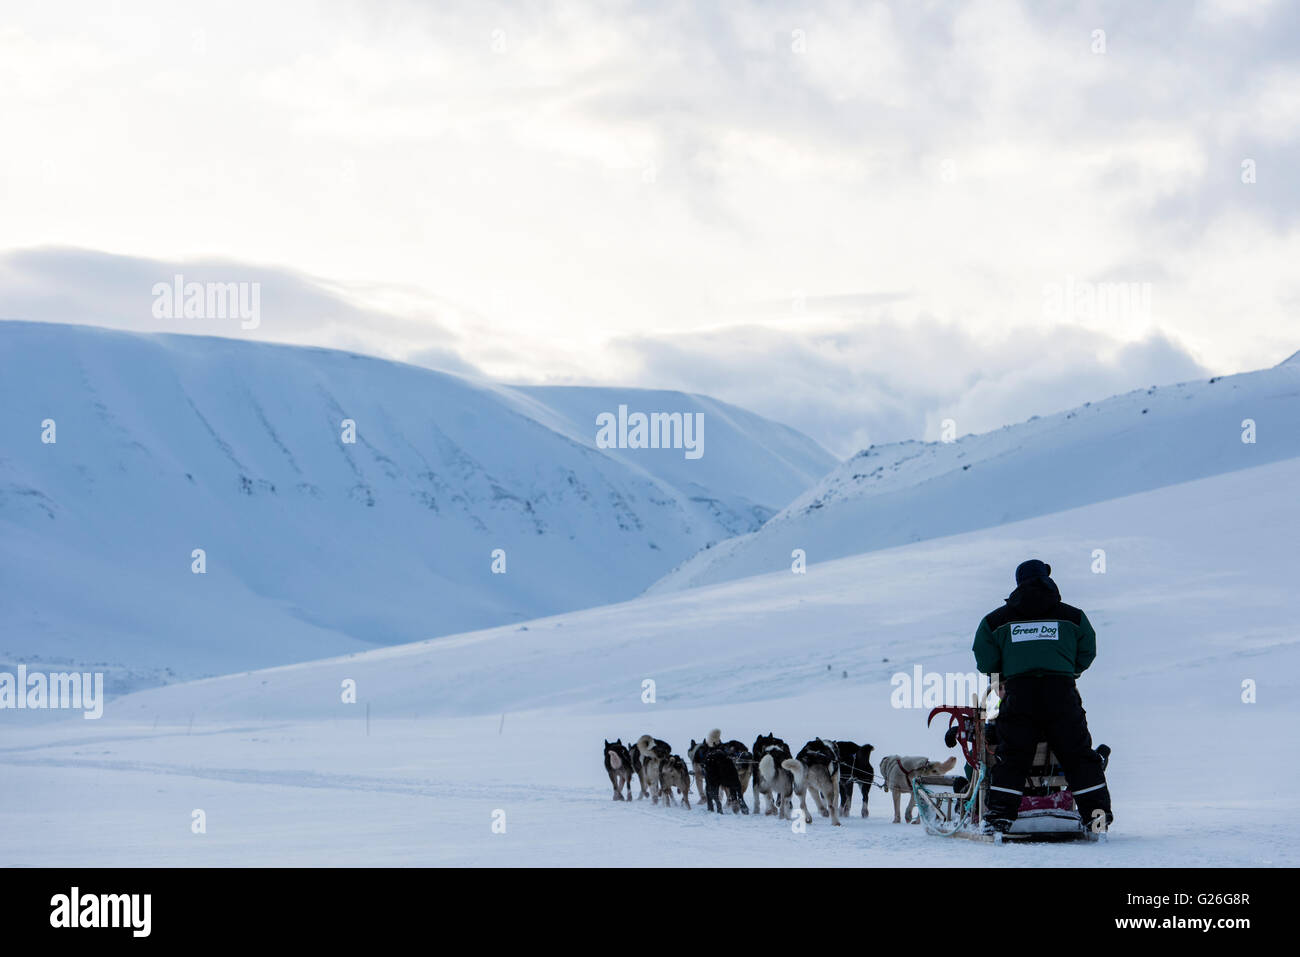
[849, 370]
[565, 192]
[886, 380]
[87, 287]
[631, 166]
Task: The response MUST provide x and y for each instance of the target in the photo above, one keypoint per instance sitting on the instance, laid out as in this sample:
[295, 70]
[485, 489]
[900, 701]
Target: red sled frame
[1049, 814]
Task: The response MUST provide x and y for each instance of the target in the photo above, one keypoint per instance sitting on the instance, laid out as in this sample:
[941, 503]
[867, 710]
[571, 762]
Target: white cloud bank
[608, 192]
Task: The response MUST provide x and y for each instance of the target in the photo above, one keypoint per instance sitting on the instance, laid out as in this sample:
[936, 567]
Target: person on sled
[1040, 645]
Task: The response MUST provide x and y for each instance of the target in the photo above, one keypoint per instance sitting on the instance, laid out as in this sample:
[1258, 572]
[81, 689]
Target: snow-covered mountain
[911, 491]
[314, 545]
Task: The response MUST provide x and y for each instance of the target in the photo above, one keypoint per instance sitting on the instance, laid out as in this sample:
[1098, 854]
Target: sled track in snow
[312, 779]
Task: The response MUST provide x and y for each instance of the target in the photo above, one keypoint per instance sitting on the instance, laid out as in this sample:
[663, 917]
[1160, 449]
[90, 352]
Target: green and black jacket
[1035, 633]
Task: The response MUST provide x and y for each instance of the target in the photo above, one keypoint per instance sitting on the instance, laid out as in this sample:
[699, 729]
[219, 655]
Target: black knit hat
[1026, 571]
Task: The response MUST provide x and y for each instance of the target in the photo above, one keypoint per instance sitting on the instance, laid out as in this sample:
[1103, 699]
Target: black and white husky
[771, 778]
[855, 768]
[653, 753]
[817, 769]
[695, 754]
[721, 776]
[743, 758]
[618, 765]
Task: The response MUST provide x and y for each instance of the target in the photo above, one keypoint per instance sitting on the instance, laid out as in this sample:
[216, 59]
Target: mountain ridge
[910, 491]
[313, 544]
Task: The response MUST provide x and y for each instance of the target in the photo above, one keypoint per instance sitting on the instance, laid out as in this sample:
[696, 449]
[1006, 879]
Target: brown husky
[673, 774]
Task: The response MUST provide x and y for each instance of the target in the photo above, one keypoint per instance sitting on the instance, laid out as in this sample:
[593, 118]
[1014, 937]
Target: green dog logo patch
[1035, 631]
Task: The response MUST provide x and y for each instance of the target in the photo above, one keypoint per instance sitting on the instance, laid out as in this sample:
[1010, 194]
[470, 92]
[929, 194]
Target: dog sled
[1047, 810]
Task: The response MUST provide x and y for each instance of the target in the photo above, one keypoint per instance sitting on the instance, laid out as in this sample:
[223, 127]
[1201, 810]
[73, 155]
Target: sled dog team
[724, 770]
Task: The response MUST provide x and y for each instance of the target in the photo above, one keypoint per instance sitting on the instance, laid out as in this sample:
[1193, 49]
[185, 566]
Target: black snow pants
[1046, 708]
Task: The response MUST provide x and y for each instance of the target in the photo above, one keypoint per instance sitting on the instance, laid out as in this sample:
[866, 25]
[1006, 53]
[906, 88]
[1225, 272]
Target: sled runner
[1047, 810]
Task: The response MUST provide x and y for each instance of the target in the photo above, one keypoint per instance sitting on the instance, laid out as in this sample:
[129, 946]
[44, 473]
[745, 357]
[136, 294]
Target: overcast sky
[856, 218]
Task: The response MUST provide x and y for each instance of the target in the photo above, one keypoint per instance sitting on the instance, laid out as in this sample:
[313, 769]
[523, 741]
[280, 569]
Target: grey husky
[898, 773]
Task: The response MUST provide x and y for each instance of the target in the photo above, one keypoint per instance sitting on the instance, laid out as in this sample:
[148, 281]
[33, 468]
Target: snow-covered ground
[1197, 598]
[315, 545]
